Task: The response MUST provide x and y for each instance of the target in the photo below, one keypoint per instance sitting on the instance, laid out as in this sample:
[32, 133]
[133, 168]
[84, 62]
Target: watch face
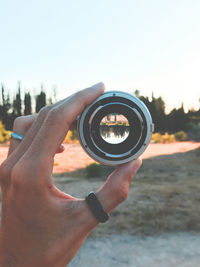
[115, 128]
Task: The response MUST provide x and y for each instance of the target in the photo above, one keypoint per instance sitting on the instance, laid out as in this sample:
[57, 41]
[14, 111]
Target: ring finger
[21, 126]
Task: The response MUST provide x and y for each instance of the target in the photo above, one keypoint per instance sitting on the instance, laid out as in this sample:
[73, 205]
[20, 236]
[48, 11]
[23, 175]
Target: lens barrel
[116, 128]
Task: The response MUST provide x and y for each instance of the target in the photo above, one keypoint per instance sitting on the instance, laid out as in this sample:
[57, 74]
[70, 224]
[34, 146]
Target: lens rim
[91, 116]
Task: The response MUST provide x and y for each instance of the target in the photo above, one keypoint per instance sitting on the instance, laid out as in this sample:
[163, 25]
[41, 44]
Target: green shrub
[193, 131]
[74, 135]
[156, 138]
[181, 136]
[168, 138]
[165, 138]
[94, 170]
[71, 137]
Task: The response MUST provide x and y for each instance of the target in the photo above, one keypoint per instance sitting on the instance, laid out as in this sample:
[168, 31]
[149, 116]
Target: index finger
[58, 121]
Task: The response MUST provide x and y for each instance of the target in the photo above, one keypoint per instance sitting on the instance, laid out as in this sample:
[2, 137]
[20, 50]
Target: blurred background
[51, 49]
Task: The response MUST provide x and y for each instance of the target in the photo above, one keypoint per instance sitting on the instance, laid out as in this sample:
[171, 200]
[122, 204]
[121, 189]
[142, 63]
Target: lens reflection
[114, 128]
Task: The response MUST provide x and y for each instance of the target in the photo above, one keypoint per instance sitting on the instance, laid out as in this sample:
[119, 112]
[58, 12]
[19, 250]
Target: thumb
[116, 188]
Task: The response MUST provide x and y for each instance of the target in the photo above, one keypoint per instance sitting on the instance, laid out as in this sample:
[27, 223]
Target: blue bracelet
[17, 136]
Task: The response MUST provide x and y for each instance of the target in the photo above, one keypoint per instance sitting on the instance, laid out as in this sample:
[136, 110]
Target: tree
[17, 103]
[3, 112]
[27, 104]
[137, 93]
[40, 100]
[157, 109]
[177, 120]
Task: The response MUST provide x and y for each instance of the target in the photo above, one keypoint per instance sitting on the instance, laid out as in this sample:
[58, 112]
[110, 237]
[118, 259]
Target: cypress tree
[27, 104]
[40, 100]
[17, 103]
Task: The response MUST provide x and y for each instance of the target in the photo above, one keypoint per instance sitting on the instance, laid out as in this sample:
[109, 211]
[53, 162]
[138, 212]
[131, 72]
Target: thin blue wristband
[17, 136]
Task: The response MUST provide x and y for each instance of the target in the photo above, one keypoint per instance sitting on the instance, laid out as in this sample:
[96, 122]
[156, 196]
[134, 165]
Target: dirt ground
[167, 250]
[74, 157]
[158, 225]
[164, 196]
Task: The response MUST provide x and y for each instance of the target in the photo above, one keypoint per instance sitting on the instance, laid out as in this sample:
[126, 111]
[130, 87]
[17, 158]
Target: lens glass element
[114, 128]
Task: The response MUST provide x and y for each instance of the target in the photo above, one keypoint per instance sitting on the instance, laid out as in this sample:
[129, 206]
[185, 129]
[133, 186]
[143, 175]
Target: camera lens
[115, 128]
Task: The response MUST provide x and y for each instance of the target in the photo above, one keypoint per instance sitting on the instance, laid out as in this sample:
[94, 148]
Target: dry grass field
[74, 157]
[158, 225]
[164, 196]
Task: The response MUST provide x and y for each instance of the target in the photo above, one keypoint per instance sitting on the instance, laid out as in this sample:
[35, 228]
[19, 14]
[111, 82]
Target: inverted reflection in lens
[114, 128]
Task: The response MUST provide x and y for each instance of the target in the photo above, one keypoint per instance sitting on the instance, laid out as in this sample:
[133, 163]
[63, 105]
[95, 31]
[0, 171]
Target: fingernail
[136, 164]
[99, 86]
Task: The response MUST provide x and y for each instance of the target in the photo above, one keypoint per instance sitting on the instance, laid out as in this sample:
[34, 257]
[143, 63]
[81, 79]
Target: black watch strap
[96, 208]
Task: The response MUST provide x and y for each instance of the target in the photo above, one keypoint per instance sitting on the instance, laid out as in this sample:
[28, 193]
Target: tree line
[11, 109]
[176, 120]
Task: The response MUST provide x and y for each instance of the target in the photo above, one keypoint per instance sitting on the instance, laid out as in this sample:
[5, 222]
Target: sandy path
[74, 157]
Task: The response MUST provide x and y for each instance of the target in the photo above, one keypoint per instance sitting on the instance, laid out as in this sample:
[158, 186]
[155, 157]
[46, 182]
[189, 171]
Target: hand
[40, 225]
[21, 126]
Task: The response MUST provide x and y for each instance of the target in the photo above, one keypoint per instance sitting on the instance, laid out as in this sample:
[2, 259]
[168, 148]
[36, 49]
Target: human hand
[40, 225]
[21, 126]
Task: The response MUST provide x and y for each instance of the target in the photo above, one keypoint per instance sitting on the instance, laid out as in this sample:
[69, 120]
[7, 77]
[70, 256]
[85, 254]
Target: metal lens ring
[115, 128]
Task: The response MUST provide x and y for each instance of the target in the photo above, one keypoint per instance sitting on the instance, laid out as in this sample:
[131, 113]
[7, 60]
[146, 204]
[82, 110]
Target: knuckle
[44, 112]
[122, 193]
[5, 171]
[54, 114]
[129, 175]
[79, 96]
[22, 123]
[18, 123]
[17, 175]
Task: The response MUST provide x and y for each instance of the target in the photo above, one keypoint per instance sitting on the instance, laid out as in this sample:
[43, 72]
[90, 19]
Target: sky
[152, 46]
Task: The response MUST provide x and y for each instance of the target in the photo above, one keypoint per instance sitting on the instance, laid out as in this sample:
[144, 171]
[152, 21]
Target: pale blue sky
[128, 44]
